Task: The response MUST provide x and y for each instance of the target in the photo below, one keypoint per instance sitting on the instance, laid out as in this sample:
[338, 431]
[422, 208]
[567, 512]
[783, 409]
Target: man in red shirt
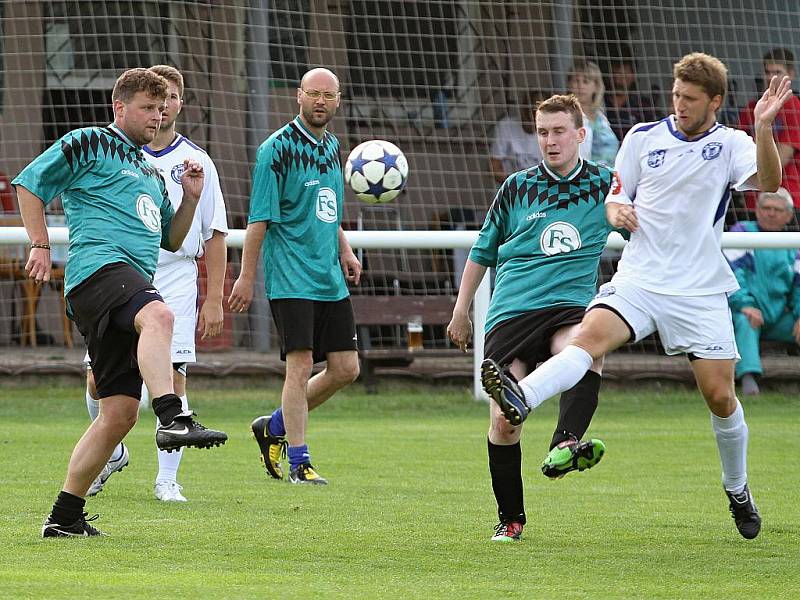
[780, 62]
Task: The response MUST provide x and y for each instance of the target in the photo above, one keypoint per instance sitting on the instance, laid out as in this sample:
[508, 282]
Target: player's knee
[119, 420]
[721, 399]
[501, 430]
[156, 316]
[348, 373]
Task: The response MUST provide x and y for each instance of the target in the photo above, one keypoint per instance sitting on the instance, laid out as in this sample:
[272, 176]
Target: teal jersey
[298, 188]
[115, 202]
[545, 234]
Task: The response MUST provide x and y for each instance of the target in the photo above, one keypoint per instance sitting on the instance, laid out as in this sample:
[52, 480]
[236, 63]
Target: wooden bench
[397, 310]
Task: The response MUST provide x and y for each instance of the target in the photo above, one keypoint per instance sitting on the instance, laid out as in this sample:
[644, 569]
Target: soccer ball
[377, 171]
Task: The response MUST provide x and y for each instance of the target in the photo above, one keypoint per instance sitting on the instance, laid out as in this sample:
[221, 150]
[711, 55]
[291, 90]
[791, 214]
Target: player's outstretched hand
[192, 179]
[39, 265]
[778, 91]
[241, 295]
[351, 267]
[460, 330]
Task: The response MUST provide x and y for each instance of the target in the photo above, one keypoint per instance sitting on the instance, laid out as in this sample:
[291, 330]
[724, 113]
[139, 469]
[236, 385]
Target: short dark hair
[780, 56]
[139, 80]
[703, 70]
[567, 103]
[170, 74]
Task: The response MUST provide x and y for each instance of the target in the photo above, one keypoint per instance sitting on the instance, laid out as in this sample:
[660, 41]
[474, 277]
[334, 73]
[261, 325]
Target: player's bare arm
[460, 327]
[211, 317]
[622, 216]
[192, 183]
[32, 211]
[768, 159]
[351, 267]
[242, 292]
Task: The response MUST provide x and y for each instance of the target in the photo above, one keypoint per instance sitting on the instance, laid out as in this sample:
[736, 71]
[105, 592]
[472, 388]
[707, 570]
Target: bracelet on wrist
[43, 246]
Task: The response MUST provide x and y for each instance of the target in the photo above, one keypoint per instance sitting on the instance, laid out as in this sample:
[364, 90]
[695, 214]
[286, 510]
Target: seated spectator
[585, 80]
[767, 307]
[515, 145]
[779, 62]
[625, 107]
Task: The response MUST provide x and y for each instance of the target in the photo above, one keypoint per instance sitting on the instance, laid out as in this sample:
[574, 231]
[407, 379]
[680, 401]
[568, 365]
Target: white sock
[168, 462]
[144, 401]
[732, 435]
[92, 405]
[555, 375]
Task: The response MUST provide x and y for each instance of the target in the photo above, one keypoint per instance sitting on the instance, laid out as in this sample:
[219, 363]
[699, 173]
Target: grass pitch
[409, 511]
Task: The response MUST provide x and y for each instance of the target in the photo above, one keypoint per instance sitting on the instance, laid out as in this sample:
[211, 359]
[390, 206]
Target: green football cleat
[572, 456]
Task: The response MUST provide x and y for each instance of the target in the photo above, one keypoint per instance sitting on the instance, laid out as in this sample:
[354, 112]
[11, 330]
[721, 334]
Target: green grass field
[409, 511]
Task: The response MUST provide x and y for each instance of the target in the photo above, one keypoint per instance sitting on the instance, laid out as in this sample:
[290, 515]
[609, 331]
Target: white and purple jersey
[210, 214]
[680, 189]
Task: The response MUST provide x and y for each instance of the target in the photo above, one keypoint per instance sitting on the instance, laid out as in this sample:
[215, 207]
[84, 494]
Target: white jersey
[680, 190]
[210, 214]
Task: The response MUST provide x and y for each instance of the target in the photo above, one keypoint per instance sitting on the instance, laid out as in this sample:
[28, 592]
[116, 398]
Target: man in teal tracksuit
[767, 305]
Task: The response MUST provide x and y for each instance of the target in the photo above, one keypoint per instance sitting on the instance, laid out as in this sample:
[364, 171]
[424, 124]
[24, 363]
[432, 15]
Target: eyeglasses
[772, 209]
[316, 95]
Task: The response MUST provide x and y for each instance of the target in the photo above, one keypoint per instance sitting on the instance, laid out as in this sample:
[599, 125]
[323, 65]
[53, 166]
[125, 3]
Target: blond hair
[567, 103]
[705, 71]
[170, 74]
[595, 75]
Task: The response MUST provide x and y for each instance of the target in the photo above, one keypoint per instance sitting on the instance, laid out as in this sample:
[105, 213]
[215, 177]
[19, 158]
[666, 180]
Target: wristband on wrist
[43, 246]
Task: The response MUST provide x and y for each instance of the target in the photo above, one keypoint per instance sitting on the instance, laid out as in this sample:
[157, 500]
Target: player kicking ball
[672, 277]
[118, 215]
[176, 277]
[544, 232]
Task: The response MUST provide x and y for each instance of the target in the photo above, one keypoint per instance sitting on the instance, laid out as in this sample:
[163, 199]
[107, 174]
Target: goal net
[450, 82]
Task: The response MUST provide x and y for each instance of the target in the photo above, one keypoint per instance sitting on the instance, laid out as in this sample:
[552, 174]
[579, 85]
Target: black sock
[505, 466]
[576, 409]
[67, 509]
[167, 407]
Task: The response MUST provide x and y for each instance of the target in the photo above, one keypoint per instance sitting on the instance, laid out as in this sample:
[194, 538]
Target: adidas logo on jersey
[536, 215]
[129, 173]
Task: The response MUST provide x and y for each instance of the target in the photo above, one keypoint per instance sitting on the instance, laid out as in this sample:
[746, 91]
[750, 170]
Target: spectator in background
[779, 62]
[767, 304]
[625, 107]
[585, 80]
[515, 145]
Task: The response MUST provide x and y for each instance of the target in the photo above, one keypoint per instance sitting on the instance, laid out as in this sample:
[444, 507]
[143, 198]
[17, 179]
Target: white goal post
[448, 240]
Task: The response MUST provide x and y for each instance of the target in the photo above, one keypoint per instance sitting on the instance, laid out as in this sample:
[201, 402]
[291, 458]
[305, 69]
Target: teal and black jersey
[115, 202]
[544, 233]
[298, 188]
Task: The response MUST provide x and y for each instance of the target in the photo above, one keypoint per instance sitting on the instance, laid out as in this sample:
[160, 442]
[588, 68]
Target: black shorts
[527, 337]
[104, 307]
[314, 325]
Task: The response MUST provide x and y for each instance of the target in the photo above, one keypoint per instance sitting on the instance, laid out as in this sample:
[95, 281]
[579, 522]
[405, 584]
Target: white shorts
[177, 284]
[698, 325]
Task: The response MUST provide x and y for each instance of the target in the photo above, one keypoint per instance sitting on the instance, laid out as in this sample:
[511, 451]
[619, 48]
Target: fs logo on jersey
[177, 173]
[326, 205]
[148, 213]
[712, 150]
[559, 238]
[656, 158]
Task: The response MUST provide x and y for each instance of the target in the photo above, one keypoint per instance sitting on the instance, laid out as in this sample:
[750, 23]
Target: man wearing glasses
[295, 219]
[767, 304]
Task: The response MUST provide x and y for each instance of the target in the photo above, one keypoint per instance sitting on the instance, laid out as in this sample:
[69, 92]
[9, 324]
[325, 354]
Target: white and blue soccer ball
[377, 171]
